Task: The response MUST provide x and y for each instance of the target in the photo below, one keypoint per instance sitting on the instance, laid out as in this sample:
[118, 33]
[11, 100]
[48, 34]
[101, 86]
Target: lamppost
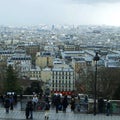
[96, 58]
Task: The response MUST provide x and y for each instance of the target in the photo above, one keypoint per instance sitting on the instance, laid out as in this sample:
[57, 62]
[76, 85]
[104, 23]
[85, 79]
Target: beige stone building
[46, 75]
[35, 74]
[44, 59]
[79, 66]
[71, 47]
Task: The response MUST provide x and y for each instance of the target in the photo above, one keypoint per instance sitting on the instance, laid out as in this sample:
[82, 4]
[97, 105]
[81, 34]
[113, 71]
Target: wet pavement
[17, 114]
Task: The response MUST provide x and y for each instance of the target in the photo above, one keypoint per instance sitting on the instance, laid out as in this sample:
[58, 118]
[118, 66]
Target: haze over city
[73, 12]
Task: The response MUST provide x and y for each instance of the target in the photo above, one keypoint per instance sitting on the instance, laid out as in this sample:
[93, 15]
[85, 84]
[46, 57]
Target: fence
[80, 106]
[83, 107]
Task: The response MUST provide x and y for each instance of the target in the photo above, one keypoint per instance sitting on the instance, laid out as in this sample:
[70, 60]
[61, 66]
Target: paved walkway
[17, 114]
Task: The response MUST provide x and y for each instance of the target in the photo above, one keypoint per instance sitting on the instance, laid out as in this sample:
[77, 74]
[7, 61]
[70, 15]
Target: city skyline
[72, 12]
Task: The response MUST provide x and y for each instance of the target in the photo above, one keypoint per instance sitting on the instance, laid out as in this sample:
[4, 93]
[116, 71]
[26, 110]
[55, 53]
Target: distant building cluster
[58, 56]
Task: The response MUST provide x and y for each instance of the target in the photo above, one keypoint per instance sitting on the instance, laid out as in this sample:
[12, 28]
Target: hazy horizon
[70, 12]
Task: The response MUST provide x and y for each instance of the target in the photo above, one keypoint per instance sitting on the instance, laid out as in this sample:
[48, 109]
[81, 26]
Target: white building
[112, 60]
[35, 73]
[20, 62]
[62, 80]
[4, 54]
[70, 54]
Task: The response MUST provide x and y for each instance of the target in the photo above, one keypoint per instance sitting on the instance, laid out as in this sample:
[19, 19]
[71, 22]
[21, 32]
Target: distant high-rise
[53, 27]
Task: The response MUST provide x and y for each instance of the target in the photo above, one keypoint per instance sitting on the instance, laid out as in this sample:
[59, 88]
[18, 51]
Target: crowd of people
[60, 103]
[8, 101]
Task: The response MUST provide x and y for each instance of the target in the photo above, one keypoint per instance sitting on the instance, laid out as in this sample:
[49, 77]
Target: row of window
[62, 82]
[62, 73]
[62, 77]
[56, 89]
[62, 86]
[35, 72]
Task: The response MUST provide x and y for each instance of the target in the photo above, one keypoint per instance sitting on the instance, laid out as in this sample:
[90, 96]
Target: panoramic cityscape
[62, 53]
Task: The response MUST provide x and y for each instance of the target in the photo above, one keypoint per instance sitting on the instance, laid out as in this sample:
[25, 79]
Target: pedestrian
[15, 98]
[29, 110]
[101, 105]
[108, 107]
[7, 103]
[86, 99]
[72, 103]
[47, 108]
[53, 100]
[64, 103]
[11, 102]
[2, 97]
[57, 102]
[35, 101]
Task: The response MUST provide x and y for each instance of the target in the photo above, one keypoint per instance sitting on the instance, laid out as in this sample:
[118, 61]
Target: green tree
[2, 74]
[35, 87]
[11, 81]
[116, 95]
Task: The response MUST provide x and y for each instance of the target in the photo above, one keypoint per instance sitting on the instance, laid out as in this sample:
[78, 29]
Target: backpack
[60, 107]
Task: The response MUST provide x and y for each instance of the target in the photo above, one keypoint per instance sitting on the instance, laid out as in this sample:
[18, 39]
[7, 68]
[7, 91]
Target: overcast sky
[73, 12]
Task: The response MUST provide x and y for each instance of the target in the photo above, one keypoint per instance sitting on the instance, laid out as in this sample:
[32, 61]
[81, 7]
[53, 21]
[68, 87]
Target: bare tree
[108, 81]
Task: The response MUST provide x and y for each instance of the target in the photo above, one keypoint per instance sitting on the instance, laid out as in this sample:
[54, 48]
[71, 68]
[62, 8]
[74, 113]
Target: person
[35, 101]
[101, 105]
[7, 104]
[64, 103]
[57, 102]
[86, 99]
[11, 102]
[72, 104]
[108, 107]
[29, 110]
[47, 108]
[2, 98]
[53, 100]
[15, 98]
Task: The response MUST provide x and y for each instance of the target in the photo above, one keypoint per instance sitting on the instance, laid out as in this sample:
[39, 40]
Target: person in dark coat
[64, 103]
[2, 98]
[101, 105]
[15, 98]
[108, 107]
[7, 104]
[57, 102]
[72, 104]
[47, 108]
[11, 102]
[29, 110]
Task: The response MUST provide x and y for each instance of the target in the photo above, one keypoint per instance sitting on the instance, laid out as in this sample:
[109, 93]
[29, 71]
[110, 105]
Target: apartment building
[70, 54]
[35, 73]
[46, 75]
[62, 80]
[20, 62]
[4, 54]
[44, 59]
[78, 63]
[112, 60]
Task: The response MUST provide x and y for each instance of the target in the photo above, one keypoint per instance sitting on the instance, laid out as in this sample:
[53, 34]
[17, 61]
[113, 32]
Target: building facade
[62, 80]
[44, 59]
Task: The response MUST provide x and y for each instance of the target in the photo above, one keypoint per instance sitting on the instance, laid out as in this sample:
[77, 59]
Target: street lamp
[96, 58]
